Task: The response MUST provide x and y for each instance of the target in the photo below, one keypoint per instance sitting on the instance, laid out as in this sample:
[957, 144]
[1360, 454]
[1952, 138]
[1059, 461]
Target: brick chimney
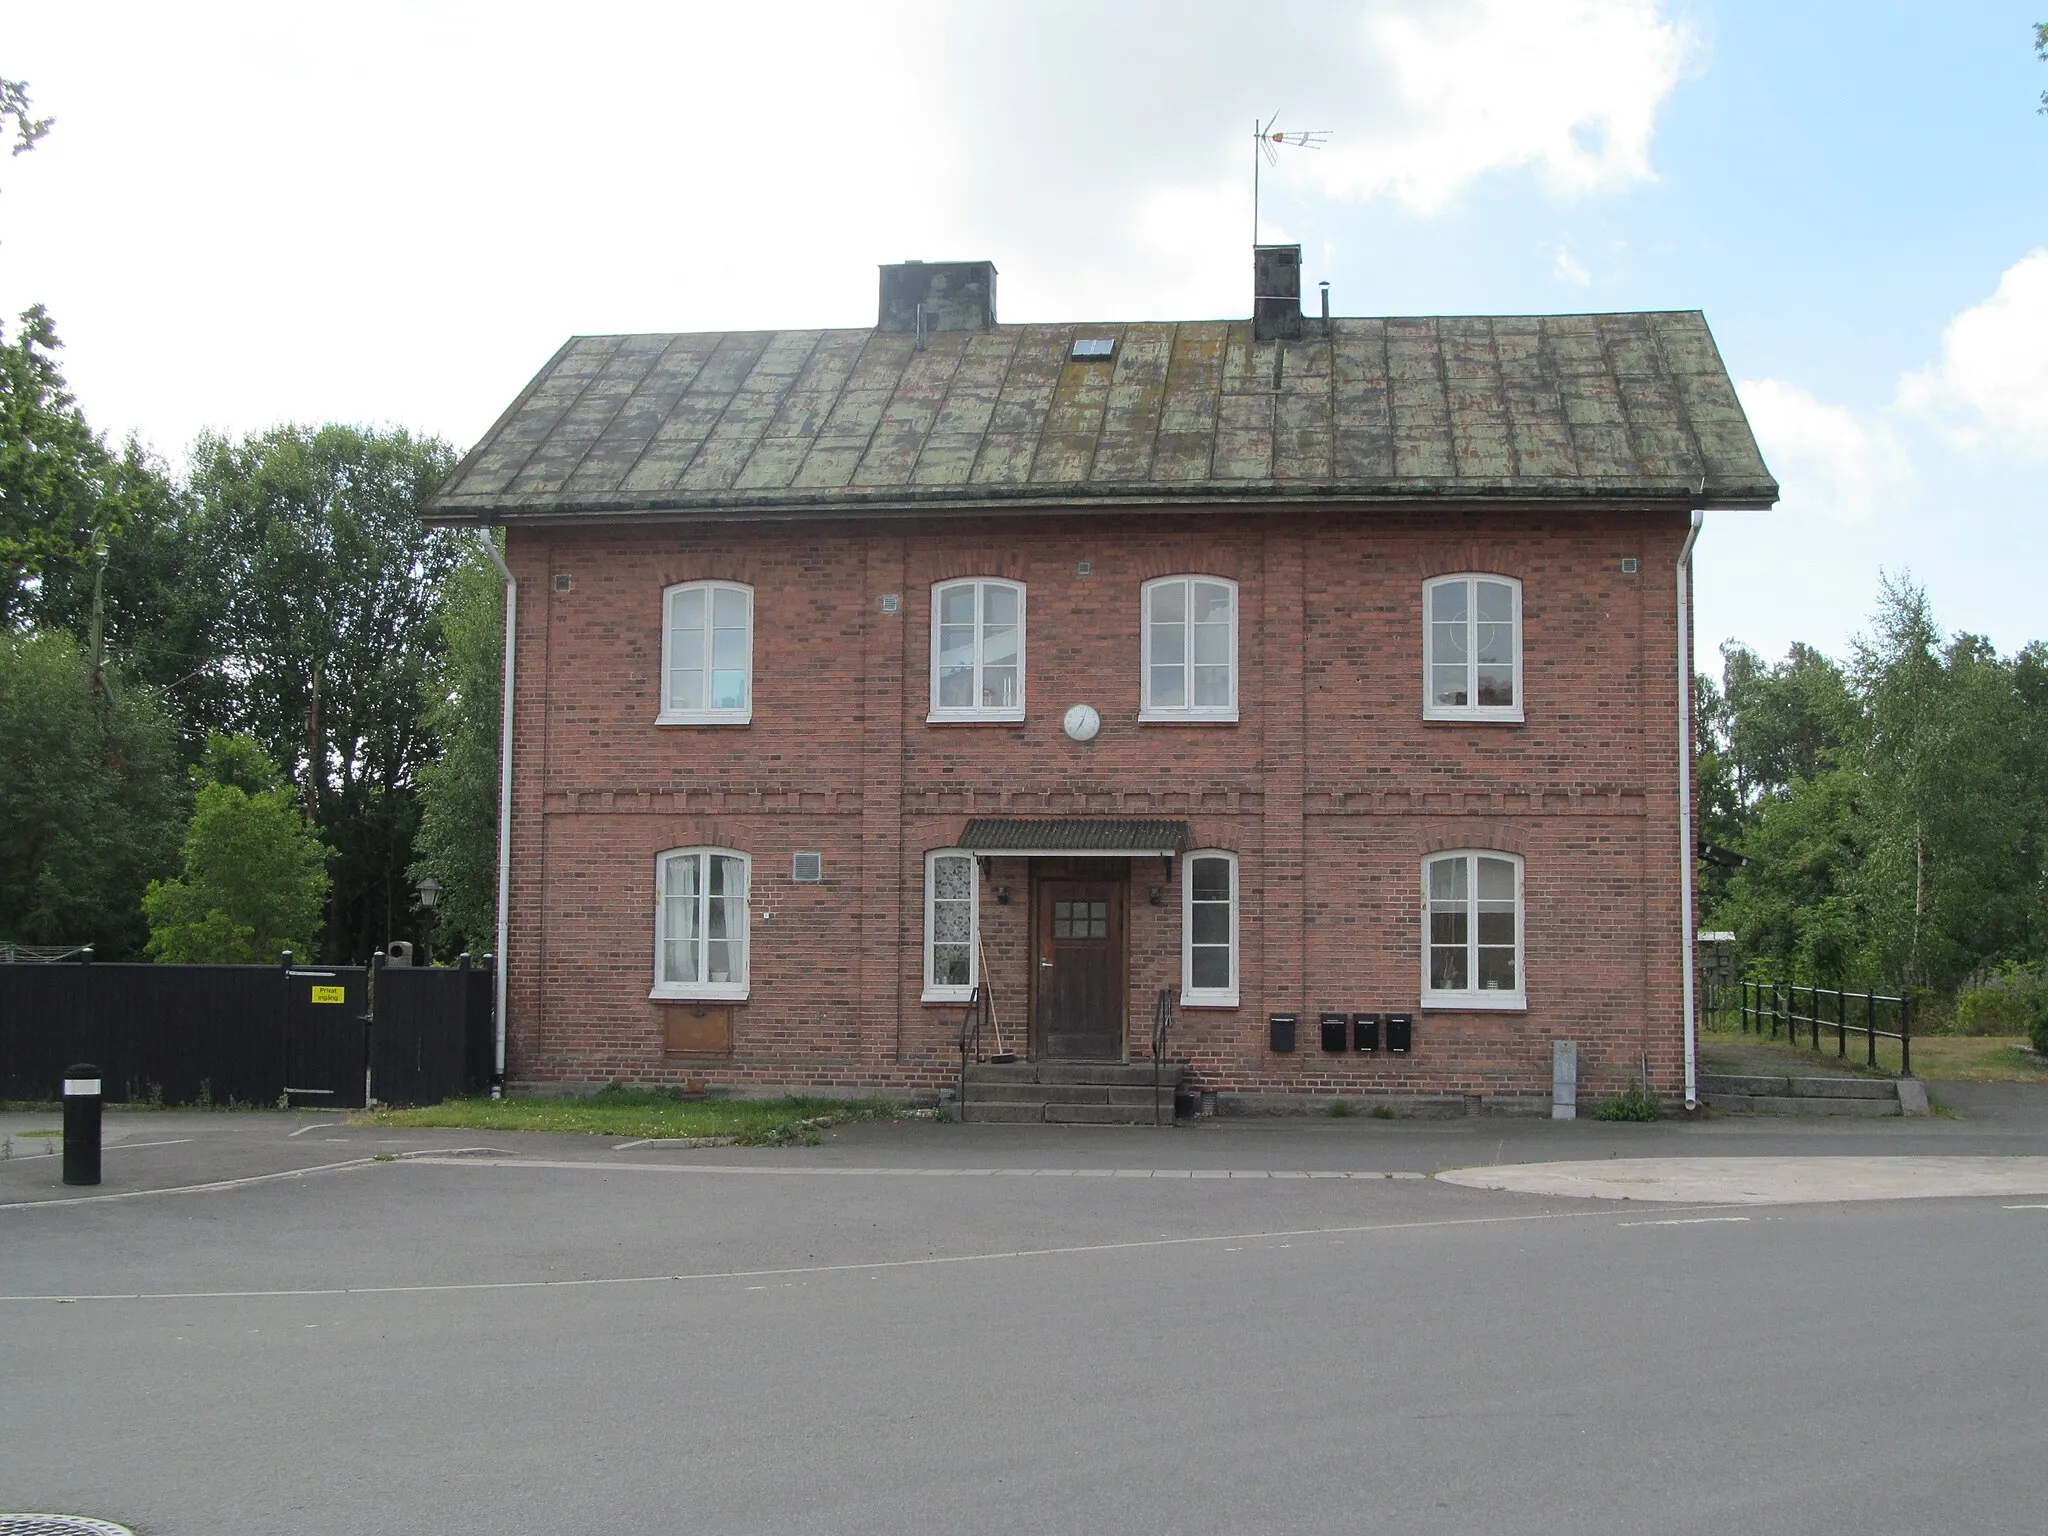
[954, 296]
[1276, 293]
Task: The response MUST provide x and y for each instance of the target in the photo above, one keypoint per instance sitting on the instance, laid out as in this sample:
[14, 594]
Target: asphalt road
[1099, 1332]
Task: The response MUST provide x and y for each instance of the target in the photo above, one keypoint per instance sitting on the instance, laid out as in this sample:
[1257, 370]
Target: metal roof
[1607, 408]
[1098, 835]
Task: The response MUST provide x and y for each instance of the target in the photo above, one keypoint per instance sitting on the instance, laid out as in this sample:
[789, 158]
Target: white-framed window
[1208, 929]
[707, 654]
[952, 921]
[978, 650]
[1472, 930]
[1472, 648]
[1190, 649]
[700, 923]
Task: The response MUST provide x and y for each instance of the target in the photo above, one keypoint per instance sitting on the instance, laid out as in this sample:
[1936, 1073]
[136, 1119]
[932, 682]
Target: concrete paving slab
[1766, 1180]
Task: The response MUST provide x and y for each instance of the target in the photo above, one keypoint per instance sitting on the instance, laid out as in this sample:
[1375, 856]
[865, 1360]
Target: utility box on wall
[1335, 1027]
[1365, 1032]
[1564, 1080]
[1280, 1028]
[1400, 1033]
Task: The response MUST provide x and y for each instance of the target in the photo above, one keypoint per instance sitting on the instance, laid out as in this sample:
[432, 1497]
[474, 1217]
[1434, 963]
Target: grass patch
[1632, 1103]
[1937, 1058]
[655, 1113]
[1338, 1110]
[24, 1135]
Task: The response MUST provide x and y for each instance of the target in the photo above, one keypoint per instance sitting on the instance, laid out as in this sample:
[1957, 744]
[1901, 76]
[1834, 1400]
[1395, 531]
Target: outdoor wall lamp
[1153, 893]
[1002, 895]
[430, 893]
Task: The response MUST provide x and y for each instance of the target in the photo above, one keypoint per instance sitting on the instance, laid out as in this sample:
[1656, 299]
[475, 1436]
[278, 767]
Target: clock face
[1082, 722]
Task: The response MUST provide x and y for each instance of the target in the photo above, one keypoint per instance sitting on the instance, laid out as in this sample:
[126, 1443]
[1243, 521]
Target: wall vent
[807, 868]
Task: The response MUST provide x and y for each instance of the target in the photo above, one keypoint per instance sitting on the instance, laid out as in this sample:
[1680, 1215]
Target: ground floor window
[700, 925]
[951, 910]
[1472, 930]
[1209, 930]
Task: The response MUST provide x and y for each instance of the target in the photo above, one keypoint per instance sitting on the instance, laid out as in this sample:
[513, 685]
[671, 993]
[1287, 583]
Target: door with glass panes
[1078, 960]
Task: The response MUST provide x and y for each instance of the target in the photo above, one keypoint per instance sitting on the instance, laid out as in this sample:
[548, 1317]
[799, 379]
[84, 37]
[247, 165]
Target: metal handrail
[1162, 1022]
[1782, 1010]
[977, 1015]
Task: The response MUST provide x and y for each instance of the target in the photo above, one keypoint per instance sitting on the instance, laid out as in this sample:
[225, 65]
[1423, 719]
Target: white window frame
[672, 715]
[954, 713]
[950, 992]
[1182, 713]
[1507, 713]
[1192, 996]
[710, 991]
[1476, 997]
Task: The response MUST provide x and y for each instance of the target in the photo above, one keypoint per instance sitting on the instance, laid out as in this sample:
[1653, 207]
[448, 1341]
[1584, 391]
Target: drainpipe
[1685, 841]
[490, 547]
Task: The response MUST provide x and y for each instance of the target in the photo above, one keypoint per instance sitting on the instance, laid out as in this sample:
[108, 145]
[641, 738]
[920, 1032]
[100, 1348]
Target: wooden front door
[1078, 993]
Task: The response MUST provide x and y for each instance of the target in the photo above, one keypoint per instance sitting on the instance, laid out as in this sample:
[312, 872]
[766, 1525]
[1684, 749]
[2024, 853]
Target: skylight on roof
[1094, 346]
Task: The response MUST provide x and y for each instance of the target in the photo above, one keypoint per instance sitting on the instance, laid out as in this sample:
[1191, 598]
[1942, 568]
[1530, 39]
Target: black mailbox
[1365, 1032]
[1400, 1033]
[1282, 1027]
[1335, 1026]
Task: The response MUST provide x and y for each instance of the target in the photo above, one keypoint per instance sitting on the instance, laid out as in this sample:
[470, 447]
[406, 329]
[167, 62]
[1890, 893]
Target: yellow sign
[330, 994]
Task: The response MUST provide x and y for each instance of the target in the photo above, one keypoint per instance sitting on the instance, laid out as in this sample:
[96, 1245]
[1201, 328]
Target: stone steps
[1069, 1093]
[1759, 1095]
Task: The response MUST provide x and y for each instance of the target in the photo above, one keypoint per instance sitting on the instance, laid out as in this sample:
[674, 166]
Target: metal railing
[1775, 1004]
[1162, 1023]
[973, 1021]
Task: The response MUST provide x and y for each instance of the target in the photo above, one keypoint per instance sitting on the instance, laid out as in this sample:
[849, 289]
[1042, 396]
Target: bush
[1632, 1103]
[2013, 1003]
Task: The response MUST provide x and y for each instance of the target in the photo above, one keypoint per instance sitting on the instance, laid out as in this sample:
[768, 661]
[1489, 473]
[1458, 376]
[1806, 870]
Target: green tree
[14, 105]
[91, 799]
[458, 835]
[2040, 52]
[255, 874]
[327, 587]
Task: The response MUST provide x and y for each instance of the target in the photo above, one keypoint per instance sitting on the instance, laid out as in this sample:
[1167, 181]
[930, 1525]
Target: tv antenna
[1267, 141]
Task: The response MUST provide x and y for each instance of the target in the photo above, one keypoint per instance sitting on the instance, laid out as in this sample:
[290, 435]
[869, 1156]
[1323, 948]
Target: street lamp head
[430, 892]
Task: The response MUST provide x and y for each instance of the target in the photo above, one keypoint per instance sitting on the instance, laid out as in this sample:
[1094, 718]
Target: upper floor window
[1190, 649]
[707, 654]
[951, 909]
[1208, 930]
[1472, 650]
[978, 650]
[1472, 930]
[700, 923]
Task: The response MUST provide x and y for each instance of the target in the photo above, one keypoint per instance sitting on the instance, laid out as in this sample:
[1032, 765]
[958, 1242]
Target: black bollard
[82, 1100]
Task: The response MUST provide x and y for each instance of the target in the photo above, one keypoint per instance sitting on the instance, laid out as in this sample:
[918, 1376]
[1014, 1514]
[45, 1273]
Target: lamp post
[430, 896]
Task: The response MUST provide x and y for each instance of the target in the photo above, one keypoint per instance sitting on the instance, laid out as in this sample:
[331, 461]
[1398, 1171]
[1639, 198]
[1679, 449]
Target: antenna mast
[1265, 139]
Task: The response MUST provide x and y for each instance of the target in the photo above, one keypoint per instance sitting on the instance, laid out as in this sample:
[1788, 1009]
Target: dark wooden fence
[1776, 1005]
[249, 1034]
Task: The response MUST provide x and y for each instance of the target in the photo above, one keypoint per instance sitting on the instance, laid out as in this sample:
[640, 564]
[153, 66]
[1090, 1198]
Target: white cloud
[1571, 270]
[1830, 461]
[1569, 88]
[1989, 388]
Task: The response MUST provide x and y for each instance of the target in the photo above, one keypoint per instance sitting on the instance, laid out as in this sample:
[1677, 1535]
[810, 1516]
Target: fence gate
[326, 1045]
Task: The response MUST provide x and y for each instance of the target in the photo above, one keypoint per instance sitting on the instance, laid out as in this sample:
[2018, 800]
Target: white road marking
[799, 1170]
[241, 1183]
[873, 1269]
[137, 1146]
[1682, 1221]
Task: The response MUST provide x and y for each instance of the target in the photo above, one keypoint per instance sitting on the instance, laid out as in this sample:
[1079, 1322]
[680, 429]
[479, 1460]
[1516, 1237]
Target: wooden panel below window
[696, 1029]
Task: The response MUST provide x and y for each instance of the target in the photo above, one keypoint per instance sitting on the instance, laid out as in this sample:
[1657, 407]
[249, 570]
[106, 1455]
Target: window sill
[952, 995]
[1475, 1002]
[1473, 716]
[1209, 1000]
[709, 992]
[705, 717]
[1187, 717]
[975, 717]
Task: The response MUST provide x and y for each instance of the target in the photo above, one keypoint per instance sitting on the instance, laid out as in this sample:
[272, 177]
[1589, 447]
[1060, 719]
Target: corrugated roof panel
[1137, 400]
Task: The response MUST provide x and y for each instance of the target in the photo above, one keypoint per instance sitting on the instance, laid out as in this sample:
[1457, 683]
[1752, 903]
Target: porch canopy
[1073, 837]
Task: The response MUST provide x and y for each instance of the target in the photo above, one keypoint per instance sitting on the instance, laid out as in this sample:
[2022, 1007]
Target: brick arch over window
[943, 566]
[1467, 556]
[1463, 832]
[1227, 561]
[679, 567]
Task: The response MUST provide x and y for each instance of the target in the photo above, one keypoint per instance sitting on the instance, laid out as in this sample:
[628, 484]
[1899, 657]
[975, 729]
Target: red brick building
[1291, 667]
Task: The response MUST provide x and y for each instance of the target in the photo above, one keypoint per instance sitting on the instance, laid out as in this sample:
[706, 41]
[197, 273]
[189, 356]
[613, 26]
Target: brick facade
[1330, 788]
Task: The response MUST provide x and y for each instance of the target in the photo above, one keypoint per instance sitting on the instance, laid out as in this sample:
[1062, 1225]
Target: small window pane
[1447, 969]
[999, 647]
[1496, 602]
[729, 610]
[729, 648]
[686, 648]
[686, 688]
[1497, 969]
[1496, 880]
[1450, 685]
[1496, 643]
[1450, 643]
[1447, 925]
[1169, 643]
[1169, 602]
[728, 690]
[1211, 922]
[956, 604]
[1168, 690]
[688, 609]
[1212, 687]
[1497, 686]
[999, 688]
[956, 687]
[1211, 602]
[1211, 879]
[722, 960]
[1447, 879]
[949, 965]
[1447, 602]
[953, 878]
[1209, 969]
[999, 606]
[1212, 643]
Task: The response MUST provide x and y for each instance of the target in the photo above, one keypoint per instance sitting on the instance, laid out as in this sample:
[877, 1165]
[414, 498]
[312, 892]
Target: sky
[391, 212]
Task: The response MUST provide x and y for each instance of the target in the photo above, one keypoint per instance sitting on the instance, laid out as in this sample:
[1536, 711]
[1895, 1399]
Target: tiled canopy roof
[1608, 408]
[1073, 834]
